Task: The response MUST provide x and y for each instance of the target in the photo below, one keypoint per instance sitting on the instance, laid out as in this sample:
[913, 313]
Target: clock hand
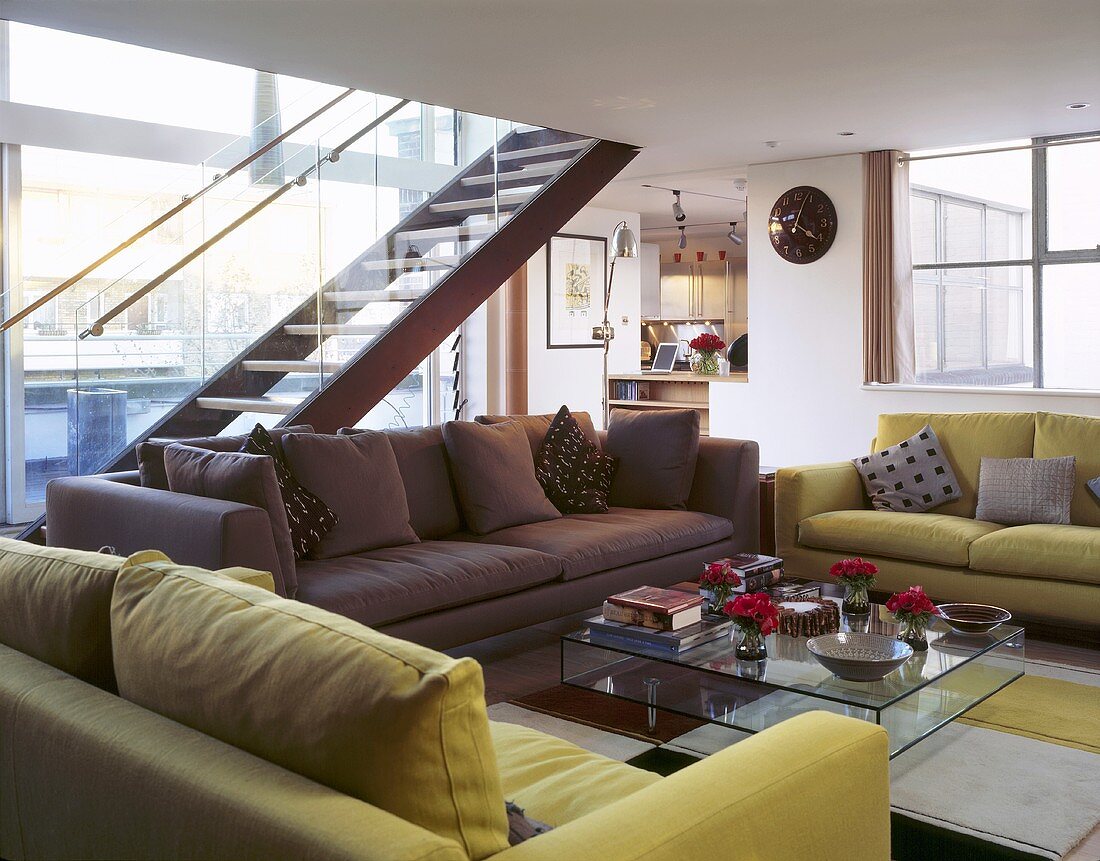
[798, 217]
[804, 230]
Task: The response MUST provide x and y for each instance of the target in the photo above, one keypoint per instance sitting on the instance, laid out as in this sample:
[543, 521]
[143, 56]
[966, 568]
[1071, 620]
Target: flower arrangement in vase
[708, 346]
[717, 584]
[755, 616]
[913, 610]
[857, 576]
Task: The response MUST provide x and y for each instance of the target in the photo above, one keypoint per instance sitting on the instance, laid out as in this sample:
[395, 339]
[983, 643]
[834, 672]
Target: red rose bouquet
[755, 616]
[857, 576]
[707, 343]
[719, 579]
[913, 610]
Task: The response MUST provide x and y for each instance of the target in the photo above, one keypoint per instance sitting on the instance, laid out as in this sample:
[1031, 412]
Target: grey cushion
[1020, 490]
[913, 475]
[1094, 487]
[235, 476]
[358, 478]
[657, 450]
[495, 475]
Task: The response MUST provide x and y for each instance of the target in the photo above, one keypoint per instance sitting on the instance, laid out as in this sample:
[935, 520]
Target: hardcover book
[652, 619]
[619, 634]
[667, 601]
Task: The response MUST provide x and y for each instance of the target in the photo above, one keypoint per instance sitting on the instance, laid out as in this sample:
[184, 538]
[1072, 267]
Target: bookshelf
[658, 391]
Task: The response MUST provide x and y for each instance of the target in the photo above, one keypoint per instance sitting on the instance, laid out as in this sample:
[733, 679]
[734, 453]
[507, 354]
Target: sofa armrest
[803, 491]
[718, 806]
[89, 513]
[727, 484]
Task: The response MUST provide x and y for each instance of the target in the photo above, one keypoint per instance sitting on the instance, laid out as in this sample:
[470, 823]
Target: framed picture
[576, 278]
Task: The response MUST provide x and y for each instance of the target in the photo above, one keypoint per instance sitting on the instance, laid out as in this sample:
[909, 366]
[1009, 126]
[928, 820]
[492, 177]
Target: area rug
[1017, 779]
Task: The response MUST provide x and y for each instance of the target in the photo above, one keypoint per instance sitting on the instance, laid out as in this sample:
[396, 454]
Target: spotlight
[734, 238]
[683, 243]
[677, 210]
[1078, 106]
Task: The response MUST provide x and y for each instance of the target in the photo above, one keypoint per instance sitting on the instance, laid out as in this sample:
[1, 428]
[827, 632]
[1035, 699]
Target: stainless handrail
[161, 219]
[333, 156]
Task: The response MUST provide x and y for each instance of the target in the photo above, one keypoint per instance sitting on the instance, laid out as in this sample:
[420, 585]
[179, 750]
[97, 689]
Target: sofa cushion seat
[555, 781]
[394, 583]
[938, 538]
[589, 543]
[1053, 552]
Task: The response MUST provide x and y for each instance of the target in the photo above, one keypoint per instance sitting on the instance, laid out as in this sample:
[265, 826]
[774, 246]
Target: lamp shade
[623, 241]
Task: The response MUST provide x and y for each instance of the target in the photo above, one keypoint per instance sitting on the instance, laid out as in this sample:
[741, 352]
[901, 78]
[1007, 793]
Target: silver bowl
[859, 657]
[972, 618]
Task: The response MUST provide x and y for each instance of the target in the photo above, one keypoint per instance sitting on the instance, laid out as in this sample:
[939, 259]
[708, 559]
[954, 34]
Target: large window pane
[962, 233]
[922, 224]
[1071, 321]
[1073, 197]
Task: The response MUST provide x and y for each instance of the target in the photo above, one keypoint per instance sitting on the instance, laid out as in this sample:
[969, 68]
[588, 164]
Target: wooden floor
[529, 660]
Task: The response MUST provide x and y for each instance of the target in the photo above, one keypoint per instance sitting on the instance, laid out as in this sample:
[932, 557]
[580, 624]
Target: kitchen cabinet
[694, 291]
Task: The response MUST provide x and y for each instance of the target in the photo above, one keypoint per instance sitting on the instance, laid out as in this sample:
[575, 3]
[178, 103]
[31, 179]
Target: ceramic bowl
[859, 657]
[973, 618]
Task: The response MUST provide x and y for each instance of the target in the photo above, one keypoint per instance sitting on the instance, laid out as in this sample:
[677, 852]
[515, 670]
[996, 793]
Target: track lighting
[677, 210]
[734, 238]
[683, 243]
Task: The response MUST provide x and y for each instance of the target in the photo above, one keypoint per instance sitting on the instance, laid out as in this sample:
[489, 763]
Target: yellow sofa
[1041, 572]
[121, 681]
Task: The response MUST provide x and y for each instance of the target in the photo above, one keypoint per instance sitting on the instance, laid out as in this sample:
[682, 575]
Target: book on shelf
[667, 601]
[657, 620]
[794, 589]
[673, 642]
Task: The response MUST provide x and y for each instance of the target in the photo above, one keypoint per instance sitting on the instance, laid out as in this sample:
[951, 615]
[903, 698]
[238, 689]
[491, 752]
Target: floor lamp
[623, 244]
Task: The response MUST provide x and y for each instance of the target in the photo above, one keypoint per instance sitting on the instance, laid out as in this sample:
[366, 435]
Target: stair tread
[335, 329]
[542, 169]
[430, 262]
[291, 366]
[400, 295]
[546, 149]
[278, 405]
[458, 231]
[474, 203]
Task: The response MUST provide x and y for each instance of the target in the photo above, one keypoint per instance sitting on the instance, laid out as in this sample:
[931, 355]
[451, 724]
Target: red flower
[707, 343]
[911, 602]
[753, 610]
[854, 568]
[720, 574]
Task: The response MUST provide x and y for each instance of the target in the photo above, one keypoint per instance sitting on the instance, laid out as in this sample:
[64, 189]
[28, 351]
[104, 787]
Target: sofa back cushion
[966, 438]
[383, 720]
[55, 605]
[657, 451]
[235, 476]
[1061, 435]
[150, 454]
[536, 427]
[426, 473]
[358, 478]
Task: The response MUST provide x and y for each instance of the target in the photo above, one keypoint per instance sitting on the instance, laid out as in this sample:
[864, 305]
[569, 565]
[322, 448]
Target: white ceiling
[701, 85]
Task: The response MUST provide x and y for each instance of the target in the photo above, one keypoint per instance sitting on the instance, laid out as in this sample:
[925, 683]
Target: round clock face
[802, 224]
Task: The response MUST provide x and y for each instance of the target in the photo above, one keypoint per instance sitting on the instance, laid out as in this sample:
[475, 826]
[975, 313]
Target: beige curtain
[887, 270]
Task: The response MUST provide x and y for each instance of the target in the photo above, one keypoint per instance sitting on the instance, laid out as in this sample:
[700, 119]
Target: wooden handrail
[97, 327]
[161, 219]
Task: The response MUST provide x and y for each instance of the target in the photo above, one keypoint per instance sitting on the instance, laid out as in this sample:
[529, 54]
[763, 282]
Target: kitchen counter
[685, 377]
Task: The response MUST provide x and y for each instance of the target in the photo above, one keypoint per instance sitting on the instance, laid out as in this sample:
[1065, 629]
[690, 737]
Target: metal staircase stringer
[370, 375]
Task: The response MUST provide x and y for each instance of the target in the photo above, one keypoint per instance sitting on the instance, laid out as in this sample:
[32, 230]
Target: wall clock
[802, 224]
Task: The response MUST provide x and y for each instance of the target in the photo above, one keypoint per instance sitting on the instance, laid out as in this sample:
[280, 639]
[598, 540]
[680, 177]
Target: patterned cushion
[1019, 490]
[913, 475]
[1094, 487]
[307, 515]
[575, 474]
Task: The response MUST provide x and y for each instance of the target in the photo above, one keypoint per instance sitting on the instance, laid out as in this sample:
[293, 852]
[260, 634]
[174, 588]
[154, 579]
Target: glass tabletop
[791, 666]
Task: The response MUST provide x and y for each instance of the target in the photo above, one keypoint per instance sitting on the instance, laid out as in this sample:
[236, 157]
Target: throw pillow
[307, 515]
[1019, 490]
[913, 475]
[358, 478]
[234, 476]
[656, 450]
[521, 826]
[575, 475]
[495, 476]
[536, 426]
[1094, 487]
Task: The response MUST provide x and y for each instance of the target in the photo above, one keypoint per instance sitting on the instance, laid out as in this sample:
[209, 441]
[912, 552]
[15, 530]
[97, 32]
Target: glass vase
[714, 598]
[707, 365]
[912, 631]
[856, 602]
[752, 646]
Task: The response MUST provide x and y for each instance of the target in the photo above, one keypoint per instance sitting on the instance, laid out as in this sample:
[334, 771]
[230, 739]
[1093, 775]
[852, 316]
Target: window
[1006, 266]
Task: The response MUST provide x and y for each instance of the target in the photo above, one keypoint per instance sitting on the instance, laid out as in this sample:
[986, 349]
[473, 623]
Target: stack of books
[794, 589]
[662, 619]
[758, 573]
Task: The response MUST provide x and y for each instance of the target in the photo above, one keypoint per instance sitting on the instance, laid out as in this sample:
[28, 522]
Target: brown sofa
[453, 587]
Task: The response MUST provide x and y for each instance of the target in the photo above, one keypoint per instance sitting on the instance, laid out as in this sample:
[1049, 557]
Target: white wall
[573, 376]
[804, 401]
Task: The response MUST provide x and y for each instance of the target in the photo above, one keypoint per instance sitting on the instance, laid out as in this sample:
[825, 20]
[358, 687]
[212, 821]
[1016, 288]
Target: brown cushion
[358, 478]
[589, 543]
[536, 427]
[429, 489]
[657, 450]
[495, 475]
[395, 583]
[150, 454]
[235, 476]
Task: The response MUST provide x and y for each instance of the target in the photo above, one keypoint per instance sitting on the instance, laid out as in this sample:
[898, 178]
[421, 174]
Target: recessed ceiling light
[845, 134]
[1078, 106]
[771, 144]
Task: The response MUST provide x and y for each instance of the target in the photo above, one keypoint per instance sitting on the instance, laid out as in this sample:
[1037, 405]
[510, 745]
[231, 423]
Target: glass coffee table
[930, 690]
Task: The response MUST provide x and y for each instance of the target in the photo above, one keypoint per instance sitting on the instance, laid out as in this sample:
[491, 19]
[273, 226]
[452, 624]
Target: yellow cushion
[555, 781]
[966, 438]
[1041, 550]
[389, 722]
[1058, 435]
[937, 538]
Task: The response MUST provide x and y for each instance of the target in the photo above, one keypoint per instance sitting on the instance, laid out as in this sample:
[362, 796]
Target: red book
[651, 598]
